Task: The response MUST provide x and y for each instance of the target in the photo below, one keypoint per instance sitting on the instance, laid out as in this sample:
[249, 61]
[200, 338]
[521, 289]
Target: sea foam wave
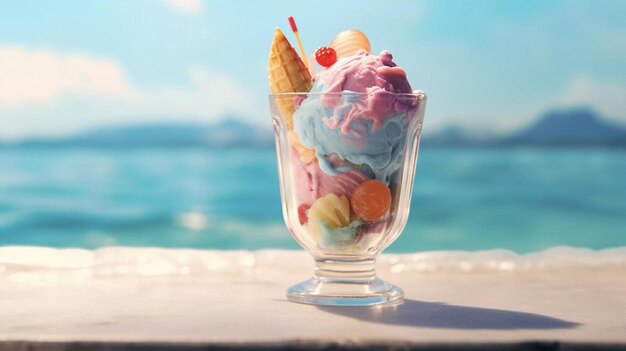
[21, 262]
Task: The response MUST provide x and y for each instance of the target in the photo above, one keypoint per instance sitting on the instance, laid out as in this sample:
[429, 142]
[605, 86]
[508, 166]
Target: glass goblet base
[345, 283]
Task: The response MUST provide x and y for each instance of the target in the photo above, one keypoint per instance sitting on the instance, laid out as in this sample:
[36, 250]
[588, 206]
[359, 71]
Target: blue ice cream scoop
[343, 129]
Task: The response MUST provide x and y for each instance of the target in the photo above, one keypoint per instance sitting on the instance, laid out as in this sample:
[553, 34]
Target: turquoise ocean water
[464, 199]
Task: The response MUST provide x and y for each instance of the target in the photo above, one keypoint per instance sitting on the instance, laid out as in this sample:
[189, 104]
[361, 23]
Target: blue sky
[491, 65]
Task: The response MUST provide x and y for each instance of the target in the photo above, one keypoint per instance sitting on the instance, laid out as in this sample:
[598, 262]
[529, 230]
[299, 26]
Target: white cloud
[207, 95]
[608, 97]
[30, 76]
[185, 6]
[48, 93]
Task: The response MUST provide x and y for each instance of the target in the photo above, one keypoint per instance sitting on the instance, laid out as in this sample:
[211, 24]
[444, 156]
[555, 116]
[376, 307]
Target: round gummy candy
[371, 200]
[326, 56]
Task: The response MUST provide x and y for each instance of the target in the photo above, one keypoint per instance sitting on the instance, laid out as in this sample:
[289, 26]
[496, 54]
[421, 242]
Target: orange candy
[371, 200]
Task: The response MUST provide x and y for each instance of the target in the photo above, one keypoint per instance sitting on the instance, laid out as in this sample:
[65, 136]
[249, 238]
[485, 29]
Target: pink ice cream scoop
[363, 73]
[313, 183]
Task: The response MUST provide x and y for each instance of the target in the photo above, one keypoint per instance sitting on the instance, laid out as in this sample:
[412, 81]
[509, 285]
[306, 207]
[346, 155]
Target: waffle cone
[287, 74]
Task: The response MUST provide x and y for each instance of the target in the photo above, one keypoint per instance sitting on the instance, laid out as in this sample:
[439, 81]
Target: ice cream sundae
[347, 141]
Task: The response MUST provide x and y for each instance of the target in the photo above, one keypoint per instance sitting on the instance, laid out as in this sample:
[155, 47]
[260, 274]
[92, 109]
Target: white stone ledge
[147, 299]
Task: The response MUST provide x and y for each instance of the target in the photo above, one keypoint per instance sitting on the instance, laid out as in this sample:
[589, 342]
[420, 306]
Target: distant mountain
[574, 126]
[565, 127]
[227, 133]
[579, 126]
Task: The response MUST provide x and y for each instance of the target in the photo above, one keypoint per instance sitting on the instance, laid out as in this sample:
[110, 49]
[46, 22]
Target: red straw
[295, 32]
[292, 23]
